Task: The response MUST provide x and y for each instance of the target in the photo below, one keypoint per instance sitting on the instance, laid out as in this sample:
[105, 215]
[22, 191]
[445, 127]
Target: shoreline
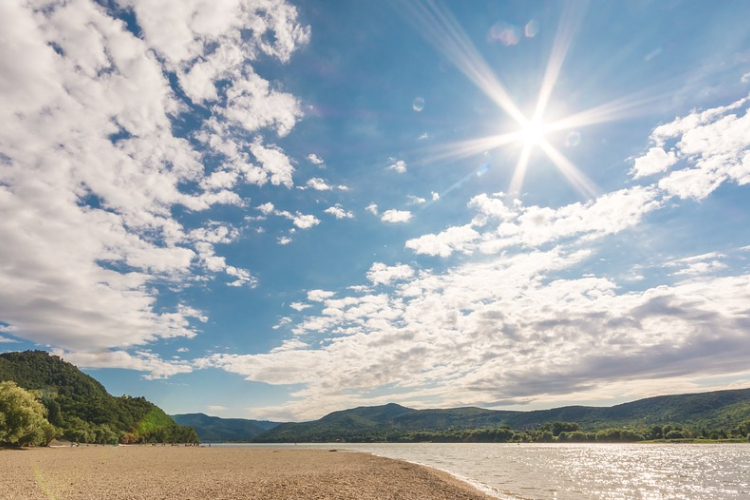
[146, 472]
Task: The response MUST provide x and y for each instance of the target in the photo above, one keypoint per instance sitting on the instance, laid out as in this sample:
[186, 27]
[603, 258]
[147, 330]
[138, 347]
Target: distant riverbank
[197, 473]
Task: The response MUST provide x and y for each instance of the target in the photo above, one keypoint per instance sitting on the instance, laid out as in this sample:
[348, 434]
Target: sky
[276, 209]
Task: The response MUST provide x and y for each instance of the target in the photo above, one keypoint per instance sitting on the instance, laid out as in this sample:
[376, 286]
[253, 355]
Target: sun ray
[519, 173]
[572, 16]
[438, 26]
[624, 107]
[441, 29]
[580, 182]
[464, 149]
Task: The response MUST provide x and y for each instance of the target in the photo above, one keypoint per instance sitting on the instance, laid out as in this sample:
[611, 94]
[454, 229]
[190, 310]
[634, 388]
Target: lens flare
[573, 139]
[531, 29]
[418, 104]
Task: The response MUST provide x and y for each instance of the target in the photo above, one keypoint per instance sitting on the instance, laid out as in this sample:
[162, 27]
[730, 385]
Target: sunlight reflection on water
[588, 471]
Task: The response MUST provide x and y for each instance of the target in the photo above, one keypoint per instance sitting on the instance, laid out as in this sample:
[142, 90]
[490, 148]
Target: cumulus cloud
[506, 330]
[299, 306]
[216, 408]
[303, 221]
[460, 238]
[714, 146]
[315, 159]
[416, 200]
[399, 167]
[338, 212]
[655, 161]
[319, 295]
[91, 170]
[372, 208]
[284, 240]
[300, 220]
[318, 184]
[382, 274]
[513, 225]
[396, 216]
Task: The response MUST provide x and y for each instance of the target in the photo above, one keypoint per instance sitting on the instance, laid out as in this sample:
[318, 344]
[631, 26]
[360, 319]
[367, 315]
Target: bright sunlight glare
[532, 132]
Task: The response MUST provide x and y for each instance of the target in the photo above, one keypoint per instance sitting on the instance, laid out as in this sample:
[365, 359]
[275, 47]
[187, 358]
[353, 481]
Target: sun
[440, 28]
[532, 132]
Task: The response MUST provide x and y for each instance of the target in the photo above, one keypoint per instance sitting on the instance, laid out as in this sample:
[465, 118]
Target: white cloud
[6, 340]
[299, 306]
[183, 349]
[266, 208]
[416, 200]
[91, 170]
[655, 161]
[508, 329]
[216, 408]
[242, 277]
[216, 234]
[276, 165]
[457, 238]
[315, 159]
[142, 361]
[284, 240]
[372, 208]
[319, 295]
[381, 274]
[398, 167]
[318, 184]
[282, 322]
[338, 212]
[396, 216]
[303, 221]
[745, 78]
[698, 264]
[715, 147]
[435, 196]
[299, 219]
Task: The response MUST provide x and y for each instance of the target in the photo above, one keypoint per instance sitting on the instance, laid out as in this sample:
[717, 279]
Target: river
[585, 471]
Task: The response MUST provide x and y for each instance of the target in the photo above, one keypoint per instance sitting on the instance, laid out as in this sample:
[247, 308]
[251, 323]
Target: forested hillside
[82, 408]
[216, 429]
[714, 415]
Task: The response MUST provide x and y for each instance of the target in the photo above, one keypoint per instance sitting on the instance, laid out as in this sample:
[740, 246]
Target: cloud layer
[93, 168]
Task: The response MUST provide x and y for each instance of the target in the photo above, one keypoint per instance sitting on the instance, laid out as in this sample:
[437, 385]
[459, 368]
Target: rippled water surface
[588, 471]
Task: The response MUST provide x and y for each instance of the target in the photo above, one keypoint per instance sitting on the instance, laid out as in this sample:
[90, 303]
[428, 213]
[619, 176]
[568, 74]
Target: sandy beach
[184, 473]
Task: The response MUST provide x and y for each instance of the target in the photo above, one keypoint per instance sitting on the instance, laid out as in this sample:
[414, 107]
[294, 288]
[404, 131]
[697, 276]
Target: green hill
[216, 429]
[690, 415]
[83, 409]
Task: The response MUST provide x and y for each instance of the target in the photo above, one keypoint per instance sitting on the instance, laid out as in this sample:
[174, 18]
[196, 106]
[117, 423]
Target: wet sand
[192, 473]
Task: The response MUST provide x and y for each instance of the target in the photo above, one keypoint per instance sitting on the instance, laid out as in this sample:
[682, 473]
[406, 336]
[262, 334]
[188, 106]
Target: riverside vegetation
[43, 397]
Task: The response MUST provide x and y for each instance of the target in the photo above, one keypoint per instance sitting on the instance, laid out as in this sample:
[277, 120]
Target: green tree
[22, 418]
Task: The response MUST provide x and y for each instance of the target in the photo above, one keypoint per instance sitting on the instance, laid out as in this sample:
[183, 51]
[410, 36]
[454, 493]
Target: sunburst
[439, 27]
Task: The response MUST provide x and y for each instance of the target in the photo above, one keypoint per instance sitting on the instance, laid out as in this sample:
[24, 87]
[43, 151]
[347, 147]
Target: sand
[216, 473]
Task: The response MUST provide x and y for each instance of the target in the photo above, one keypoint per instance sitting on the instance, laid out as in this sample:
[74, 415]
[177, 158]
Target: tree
[22, 418]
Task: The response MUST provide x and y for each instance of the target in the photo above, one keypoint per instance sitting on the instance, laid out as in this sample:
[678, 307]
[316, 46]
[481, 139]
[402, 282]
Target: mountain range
[719, 410]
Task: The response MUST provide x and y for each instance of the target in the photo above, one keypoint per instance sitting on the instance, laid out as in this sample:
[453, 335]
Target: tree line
[563, 432]
[26, 419]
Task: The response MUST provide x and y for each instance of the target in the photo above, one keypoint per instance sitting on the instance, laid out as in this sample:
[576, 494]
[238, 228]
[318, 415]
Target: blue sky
[272, 209]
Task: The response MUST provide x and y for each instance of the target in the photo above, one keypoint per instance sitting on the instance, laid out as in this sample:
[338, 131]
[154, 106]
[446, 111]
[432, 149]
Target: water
[586, 471]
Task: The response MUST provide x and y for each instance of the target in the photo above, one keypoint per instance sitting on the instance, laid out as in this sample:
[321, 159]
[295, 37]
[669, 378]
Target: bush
[22, 418]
